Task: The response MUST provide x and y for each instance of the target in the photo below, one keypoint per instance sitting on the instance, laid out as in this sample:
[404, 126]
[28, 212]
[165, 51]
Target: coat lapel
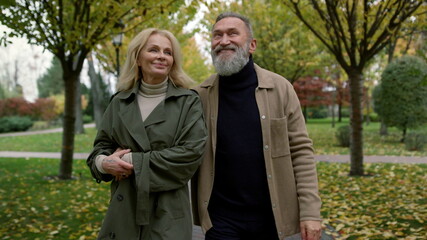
[158, 115]
[131, 118]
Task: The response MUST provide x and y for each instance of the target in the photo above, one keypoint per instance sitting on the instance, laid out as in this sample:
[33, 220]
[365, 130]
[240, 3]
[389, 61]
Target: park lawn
[390, 204]
[320, 131]
[324, 141]
[48, 142]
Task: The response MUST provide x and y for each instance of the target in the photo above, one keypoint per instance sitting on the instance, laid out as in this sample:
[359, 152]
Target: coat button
[266, 147]
[112, 235]
[120, 197]
[263, 117]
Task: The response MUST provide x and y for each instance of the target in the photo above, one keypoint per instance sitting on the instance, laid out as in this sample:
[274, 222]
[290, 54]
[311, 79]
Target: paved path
[321, 158]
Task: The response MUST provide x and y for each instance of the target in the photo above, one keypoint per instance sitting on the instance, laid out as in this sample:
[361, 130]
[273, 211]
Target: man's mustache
[229, 47]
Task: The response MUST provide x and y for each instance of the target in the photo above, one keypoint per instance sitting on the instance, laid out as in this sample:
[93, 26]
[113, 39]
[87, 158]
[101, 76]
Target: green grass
[320, 131]
[49, 142]
[390, 204]
[324, 141]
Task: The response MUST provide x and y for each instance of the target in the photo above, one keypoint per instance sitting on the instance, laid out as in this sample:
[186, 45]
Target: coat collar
[130, 113]
[264, 79]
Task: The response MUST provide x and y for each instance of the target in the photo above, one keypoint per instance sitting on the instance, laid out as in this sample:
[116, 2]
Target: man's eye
[217, 35]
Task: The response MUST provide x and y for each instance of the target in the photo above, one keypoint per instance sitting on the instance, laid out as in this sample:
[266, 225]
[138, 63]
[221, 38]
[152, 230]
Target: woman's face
[156, 59]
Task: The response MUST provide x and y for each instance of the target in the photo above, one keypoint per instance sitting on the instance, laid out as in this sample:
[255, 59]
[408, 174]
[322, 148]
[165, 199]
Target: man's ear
[252, 46]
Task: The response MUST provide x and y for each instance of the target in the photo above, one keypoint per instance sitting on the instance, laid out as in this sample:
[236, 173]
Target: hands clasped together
[116, 166]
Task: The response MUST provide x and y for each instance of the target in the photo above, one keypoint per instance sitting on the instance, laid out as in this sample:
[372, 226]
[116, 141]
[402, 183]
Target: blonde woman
[150, 143]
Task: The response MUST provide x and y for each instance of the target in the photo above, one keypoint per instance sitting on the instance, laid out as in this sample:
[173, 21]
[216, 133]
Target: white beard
[229, 65]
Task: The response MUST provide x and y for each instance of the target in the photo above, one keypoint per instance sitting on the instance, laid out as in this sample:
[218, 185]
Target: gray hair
[236, 15]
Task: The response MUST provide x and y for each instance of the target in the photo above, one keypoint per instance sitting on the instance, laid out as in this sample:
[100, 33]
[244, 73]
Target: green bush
[15, 124]
[317, 113]
[373, 117]
[87, 119]
[400, 98]
[415, 141]
[343, 136]
[345, 112]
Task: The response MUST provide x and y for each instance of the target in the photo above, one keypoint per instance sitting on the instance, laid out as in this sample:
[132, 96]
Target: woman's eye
[152, 50]
[168, 53]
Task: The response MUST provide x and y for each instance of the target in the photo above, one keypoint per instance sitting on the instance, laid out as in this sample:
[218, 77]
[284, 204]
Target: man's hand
[310, 230]
[115, 166]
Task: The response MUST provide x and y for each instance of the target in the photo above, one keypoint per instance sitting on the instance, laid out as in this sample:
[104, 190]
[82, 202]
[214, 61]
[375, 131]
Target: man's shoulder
[270, 78]
[210, 81]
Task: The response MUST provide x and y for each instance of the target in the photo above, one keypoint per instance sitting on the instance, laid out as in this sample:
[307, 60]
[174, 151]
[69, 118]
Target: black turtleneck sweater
[240, 186]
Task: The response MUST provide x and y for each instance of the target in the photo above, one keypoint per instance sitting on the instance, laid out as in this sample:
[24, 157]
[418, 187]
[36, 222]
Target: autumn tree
[311, 91]
[70, 30]
[354, 31]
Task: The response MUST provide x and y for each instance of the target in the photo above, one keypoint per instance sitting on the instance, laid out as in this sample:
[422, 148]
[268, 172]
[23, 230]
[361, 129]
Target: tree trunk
[383, 129]
[305, 113]
[333, 116]
[368, 109]
[79, 129]
[356, 122]
[96, 92]
[333, 108]
[340, 112]
[66, 164]
[403, 135]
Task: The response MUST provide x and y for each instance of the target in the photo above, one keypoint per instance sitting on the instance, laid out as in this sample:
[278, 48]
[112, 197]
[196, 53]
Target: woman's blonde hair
[131, 73]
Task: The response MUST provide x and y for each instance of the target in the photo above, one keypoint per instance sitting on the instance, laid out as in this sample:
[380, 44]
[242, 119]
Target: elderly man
[258, 178]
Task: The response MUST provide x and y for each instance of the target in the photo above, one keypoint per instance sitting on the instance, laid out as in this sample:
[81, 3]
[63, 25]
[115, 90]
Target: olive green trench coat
[153, 203]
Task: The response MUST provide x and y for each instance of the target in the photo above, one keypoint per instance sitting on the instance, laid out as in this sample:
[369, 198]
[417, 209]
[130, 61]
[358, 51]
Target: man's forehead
[228, 23]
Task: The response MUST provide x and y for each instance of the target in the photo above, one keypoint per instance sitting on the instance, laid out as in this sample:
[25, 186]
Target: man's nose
[225, 40]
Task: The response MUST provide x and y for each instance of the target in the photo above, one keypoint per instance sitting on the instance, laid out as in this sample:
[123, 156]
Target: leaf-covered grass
[390, 204]
[34, 207]
[320, 131]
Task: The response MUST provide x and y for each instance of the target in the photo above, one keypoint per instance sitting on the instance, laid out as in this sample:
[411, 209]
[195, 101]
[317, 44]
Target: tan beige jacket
[288, 153]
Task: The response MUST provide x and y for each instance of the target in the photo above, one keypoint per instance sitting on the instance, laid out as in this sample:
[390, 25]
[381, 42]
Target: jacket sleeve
[173, 167]
[103, 144]
[301, 148]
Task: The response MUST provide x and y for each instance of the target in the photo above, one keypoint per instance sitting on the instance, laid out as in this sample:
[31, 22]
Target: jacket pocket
[279, 137]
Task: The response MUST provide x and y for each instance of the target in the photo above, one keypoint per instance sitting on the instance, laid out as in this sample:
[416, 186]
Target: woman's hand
[115, 166]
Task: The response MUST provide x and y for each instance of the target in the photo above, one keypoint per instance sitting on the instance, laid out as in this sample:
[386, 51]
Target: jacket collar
[264, 79]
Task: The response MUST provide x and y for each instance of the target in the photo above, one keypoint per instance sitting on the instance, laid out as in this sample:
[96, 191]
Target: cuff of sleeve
[98, 162]
[127, 158]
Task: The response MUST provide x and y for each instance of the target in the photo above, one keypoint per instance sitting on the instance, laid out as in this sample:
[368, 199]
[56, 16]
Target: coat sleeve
[173, 167]
[103, 144]
[301, 148]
